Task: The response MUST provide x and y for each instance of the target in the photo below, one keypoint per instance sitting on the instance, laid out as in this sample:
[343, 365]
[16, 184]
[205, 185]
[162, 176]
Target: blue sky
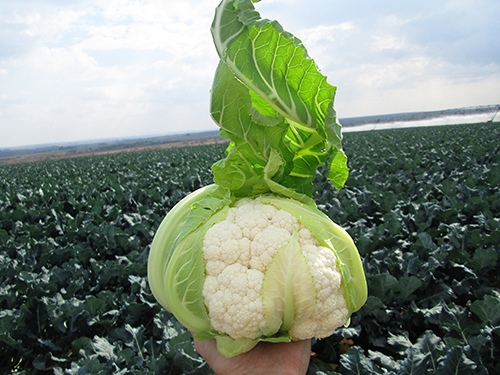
[83, 69]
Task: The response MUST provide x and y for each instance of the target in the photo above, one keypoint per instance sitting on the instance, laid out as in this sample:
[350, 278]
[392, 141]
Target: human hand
[284, 358]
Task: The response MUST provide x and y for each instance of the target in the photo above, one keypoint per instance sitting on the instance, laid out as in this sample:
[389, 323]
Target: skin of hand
[291, 358]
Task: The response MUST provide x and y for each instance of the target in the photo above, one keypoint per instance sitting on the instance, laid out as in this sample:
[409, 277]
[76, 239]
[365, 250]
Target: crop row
[422, 204]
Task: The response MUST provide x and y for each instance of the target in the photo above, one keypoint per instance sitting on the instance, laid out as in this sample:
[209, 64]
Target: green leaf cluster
[270, 99]
[425, 215]
[421, 203]
[74, 242]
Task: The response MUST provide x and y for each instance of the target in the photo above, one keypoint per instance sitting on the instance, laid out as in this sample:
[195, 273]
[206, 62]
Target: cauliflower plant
[251, 258]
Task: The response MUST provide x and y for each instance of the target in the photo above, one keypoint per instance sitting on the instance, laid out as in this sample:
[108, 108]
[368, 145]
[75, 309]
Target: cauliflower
[239, 250]
[251, 258]
[246, 270]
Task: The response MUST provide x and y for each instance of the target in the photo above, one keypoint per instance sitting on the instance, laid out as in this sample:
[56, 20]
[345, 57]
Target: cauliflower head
[239, 251]
[244, 270]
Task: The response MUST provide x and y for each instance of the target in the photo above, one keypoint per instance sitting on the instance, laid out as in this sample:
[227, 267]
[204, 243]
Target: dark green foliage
[423, 206]
[75, 237]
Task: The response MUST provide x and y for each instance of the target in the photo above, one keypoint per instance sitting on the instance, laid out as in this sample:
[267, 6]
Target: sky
[87, 69]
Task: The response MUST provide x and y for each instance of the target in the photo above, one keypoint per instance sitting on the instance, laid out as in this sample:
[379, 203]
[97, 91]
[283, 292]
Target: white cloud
[69, 62]
[23, 19]
[325, 32]
[159, 11]
[388, 42]
[114, 94]
[180, 41]
[418, 85]
[380, 76]
[96, 69]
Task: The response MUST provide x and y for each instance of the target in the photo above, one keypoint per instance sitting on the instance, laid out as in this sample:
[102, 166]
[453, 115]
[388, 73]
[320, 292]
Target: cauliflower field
[422, 205]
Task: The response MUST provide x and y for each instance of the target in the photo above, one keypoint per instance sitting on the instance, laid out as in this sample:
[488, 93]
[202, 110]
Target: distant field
[488, 112]
[38, 153]
[422, 204]
[476, 114]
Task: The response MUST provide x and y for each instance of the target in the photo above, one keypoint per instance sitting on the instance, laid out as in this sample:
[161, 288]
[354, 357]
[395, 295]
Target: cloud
[95, 69]
[388, 42]
[326, 32]
[418, 84]
[14, 41]
[405, 57]
[70, 63]
[401, 73]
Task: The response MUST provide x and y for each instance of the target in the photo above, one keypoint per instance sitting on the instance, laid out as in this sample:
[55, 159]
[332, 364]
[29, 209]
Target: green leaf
[81, 343]
[273, 64]
[372, 306]
[354, 362]
[174, 228]
[268, 94]
[456, 363]
[484, 259]
[436, 293]
[176, 267]
[408, 285]
[39, 362]
[9, 321]
[415, 362]
[432, 315]
[103, 348]
[288, 291]
[432, 345]
[230, 347]
[457, 319]
[426, 242]
[383, 285]
[318, 367]
[137, 338]
[337, 168]
[488, 309]
[384, 360]
[400, 342]
[203, 209]
[243, 170]
[181, 350]
[94, 366]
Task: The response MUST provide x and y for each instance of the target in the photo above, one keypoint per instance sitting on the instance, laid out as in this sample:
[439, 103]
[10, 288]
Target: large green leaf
[243, 170]
[456, 362]
[488, 309]
[266, 79]
[354, 362]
